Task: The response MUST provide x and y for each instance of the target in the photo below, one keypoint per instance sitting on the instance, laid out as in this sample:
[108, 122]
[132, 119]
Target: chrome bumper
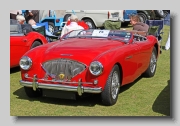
[79, 89]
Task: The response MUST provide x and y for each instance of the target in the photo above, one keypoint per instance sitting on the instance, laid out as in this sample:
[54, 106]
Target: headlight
[25, 63]
[96, 68]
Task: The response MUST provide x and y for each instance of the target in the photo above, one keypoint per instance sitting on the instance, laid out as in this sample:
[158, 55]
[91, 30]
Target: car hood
[82, 50]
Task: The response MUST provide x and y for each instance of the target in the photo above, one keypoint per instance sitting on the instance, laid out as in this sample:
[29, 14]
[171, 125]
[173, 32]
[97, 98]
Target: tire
[142, 16]
[36, 43]
[108, 96]
[66, 17]
[152, 64]
[31, 93]
[165, 13]
[159, 13]
[90, 23]
[51, 27]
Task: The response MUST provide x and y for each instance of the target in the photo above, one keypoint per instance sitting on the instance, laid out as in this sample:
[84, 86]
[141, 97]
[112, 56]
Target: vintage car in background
[49, 16]
[21, 41]
[89, 62]
[151, 14]
[95, 18]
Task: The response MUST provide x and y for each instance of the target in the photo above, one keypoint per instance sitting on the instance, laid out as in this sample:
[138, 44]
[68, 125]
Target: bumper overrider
[79, 89]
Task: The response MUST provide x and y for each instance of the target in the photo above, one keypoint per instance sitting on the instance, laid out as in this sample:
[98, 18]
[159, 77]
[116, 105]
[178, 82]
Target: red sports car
[89, 61]
[21, 42]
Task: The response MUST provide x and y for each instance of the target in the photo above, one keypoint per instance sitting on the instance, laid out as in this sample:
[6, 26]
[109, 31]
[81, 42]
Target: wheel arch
[89, 19]
[48, 20]
[39, 40]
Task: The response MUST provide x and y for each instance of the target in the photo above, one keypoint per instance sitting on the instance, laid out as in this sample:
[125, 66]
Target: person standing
[167, 46]
[167, 22]
[32, 14]
[14, 13]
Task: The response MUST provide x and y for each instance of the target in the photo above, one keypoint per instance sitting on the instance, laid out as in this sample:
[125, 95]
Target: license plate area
[59, 94]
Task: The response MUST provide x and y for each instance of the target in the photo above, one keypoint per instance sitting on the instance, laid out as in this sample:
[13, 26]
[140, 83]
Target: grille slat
[69, 68]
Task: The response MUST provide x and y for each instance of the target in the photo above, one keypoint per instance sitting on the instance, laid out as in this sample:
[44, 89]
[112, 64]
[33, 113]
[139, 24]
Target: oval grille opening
[67, 68]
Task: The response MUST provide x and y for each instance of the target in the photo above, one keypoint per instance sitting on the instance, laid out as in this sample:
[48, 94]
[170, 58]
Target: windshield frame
[111, 35]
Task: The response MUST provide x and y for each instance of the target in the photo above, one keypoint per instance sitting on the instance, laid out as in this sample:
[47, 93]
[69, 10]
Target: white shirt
[70, 27]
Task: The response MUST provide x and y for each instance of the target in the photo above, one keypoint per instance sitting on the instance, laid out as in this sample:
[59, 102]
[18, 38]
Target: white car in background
[95, 18]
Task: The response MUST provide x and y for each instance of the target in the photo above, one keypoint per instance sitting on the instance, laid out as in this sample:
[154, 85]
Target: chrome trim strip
[80, 89]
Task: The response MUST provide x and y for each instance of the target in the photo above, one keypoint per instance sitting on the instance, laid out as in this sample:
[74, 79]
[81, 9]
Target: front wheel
[51, 27]
[110, 93]
[152, 64]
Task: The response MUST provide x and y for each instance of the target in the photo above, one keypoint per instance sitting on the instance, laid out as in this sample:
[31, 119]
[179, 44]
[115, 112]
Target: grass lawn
[144, 97]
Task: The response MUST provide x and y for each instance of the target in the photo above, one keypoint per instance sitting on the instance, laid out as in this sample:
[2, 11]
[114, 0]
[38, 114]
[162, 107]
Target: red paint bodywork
[20, 44]
[133, 58]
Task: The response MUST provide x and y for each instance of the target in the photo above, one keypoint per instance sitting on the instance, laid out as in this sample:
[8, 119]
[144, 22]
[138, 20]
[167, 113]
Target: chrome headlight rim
[25, 67]
[96, 73]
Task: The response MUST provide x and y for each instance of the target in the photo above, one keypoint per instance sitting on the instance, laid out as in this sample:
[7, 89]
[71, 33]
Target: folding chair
[42, 30]
[43, 24]
[156, 29]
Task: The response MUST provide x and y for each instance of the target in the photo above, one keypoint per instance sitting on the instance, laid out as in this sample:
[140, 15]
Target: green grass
[144, 97]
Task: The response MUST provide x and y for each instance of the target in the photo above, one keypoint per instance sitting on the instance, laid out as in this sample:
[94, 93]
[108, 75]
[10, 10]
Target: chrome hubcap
[142, 18]
[115, 85]
[161, 12]
[153, 63]
[89, 24]
[51, 29]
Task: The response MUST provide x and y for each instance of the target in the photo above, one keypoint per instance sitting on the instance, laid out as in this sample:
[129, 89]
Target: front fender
[108, 60]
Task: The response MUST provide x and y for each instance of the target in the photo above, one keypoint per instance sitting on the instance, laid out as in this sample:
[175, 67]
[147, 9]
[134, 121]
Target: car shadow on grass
[162, 103]
[86, 100]
[89, 100]
[127, 86]
[14, 69]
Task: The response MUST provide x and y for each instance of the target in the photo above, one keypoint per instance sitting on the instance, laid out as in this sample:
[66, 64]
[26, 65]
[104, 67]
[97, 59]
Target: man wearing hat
[72, 26]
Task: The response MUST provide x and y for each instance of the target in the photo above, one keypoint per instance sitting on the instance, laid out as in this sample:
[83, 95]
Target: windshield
[120, 35]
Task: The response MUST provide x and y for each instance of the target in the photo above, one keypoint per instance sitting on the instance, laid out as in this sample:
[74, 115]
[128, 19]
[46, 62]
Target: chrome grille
[68, 68]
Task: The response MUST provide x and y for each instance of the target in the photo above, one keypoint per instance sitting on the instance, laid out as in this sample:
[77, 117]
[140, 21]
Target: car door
[130, 65]
[145, 51]
[17, 48]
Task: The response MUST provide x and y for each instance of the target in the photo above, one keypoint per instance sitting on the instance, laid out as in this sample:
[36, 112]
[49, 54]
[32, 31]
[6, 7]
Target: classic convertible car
[89, 61]
[22, 41]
